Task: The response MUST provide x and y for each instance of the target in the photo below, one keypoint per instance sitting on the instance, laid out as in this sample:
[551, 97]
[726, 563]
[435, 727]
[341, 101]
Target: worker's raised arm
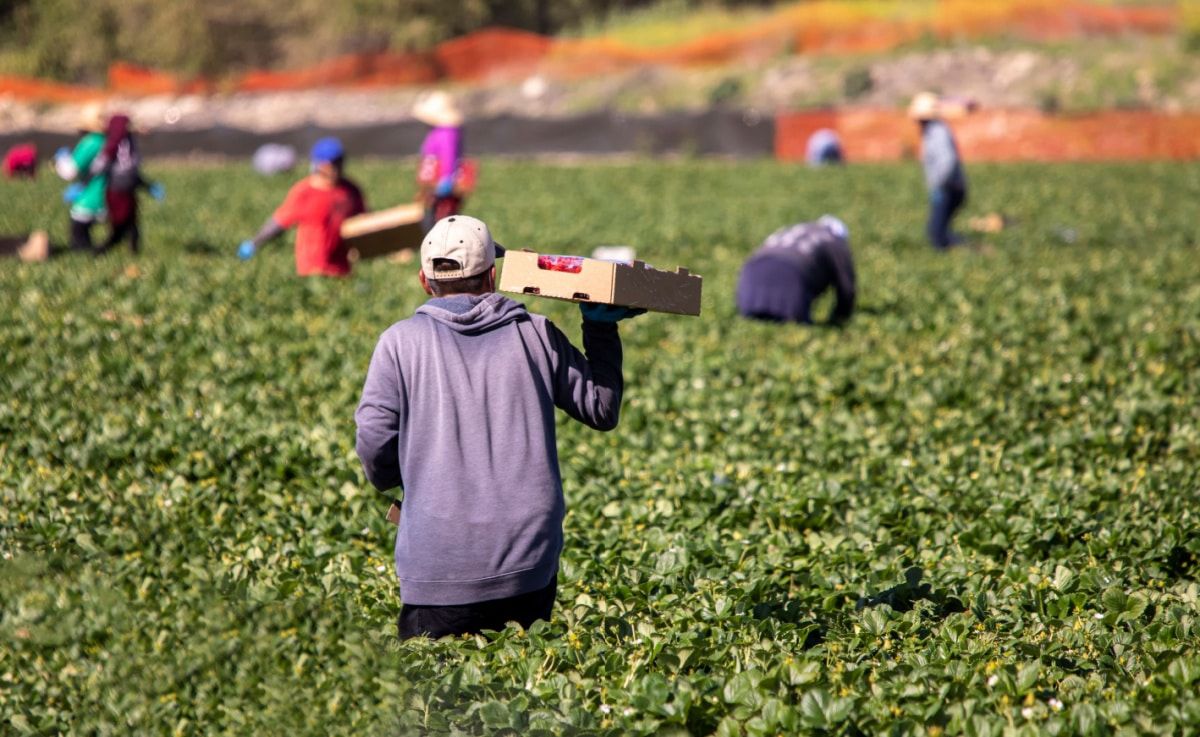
[588, 386]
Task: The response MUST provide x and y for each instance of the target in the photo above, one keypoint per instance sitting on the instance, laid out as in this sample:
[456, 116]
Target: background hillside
[74, 41]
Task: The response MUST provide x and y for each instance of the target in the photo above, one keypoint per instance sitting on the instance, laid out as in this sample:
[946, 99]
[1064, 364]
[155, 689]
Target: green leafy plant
[970, 511]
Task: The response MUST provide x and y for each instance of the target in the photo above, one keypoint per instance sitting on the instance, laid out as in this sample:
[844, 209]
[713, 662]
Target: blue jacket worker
[793, 266]
[944, 177]
[458, 409]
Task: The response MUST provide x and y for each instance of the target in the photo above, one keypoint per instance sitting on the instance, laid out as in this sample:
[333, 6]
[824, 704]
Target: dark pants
[123, 218]
[440, 207]
[943, 204]
[81, 236]
[438, 621]
[120, 231]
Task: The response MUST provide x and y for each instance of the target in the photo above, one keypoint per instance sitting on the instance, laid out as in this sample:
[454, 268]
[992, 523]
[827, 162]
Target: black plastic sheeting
[732, 133]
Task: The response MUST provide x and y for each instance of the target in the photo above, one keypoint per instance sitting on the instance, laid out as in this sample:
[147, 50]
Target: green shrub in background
[75, 40]
[857, 82]
[1190, 12]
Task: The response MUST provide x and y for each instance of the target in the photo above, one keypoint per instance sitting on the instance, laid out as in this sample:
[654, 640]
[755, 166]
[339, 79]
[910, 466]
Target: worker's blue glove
[61, 152]
[73, 192]
[445, 188]
[157, 191]
[247, 250]
[594, 312]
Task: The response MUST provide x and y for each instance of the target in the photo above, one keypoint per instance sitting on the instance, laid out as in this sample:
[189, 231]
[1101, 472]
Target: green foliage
[73, 40]
[857, 82]
[971, 511]
[726, 91]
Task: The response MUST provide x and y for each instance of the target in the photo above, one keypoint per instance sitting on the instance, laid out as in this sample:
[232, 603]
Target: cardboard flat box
[579, 279]
[383, 232]
[32, 248]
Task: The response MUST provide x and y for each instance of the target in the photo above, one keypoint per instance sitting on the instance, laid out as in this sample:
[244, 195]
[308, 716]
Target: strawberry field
[972, 511]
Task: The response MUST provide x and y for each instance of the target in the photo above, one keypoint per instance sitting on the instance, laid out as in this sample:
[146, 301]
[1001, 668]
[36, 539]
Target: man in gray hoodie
[944, 175]
[458, 409]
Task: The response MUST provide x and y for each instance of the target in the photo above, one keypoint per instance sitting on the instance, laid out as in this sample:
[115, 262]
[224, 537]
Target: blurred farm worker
[944, 177]
[793, 266]
[120, 162]
[20, 161]
[824, 148]
[317, 205]
[440, 171]
[86, 193]
[274, 158]
[458, 409]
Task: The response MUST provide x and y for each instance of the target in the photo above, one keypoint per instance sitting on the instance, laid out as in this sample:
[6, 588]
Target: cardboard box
[383, 232]
[34, 248]
[579, 279]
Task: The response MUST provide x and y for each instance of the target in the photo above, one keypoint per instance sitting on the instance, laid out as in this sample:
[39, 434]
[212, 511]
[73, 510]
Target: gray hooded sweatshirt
[939, 157]
[458, 408]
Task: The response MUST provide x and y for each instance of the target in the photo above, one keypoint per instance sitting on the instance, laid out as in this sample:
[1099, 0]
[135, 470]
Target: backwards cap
[464, 240]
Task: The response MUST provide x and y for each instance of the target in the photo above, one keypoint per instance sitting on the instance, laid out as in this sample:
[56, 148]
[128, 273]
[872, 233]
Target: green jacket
[90, 204]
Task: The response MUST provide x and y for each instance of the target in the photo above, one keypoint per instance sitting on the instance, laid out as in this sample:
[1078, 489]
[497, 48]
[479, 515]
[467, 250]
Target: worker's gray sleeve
[380, 412]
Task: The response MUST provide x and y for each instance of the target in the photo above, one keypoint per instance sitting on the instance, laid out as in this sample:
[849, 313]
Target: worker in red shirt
[317, 205]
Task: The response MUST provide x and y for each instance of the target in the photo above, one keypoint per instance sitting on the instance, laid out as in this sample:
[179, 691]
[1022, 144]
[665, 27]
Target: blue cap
[327, 150]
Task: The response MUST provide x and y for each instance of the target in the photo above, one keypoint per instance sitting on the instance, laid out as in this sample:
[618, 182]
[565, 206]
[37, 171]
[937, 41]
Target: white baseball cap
[464, 240]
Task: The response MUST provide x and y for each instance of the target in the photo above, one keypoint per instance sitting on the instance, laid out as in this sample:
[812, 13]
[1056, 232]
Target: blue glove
[247, 250]
[594, 312]
[445, 188]
[73, 192]
[157, 191]
[61, 152]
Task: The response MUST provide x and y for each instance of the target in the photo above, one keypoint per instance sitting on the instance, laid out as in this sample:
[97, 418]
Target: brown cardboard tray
[384, 232]
[606, 282]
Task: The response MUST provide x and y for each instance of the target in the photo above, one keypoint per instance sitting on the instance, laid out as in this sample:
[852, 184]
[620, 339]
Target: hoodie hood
[473, 313]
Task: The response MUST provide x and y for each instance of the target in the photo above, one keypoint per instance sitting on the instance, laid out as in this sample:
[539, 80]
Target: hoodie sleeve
[588, 388]
[378, 420]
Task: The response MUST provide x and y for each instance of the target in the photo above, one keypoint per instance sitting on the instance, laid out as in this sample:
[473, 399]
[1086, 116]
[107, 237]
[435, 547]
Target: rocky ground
[1126, 73]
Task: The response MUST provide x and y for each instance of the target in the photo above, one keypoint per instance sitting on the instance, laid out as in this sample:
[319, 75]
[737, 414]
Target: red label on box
[569, 264]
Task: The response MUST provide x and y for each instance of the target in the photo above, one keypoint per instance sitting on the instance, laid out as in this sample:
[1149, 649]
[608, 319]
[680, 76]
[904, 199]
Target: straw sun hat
[925, 106]
[437, 109]
[91, 118]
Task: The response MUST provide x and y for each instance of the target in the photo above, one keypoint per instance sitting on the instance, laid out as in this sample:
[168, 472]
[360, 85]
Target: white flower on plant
[1055, 704]
[605, 709]
[1027, 712]
[1097, 615]
[381, 568]
[628, 711]
[991, 681]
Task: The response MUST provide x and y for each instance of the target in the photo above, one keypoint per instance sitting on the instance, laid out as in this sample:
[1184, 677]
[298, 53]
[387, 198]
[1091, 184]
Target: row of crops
[971, 511]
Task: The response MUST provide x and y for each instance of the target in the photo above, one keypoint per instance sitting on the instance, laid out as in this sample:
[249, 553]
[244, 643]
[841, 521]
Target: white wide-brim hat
[925, 106]
[437, 109]
[91, 118]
